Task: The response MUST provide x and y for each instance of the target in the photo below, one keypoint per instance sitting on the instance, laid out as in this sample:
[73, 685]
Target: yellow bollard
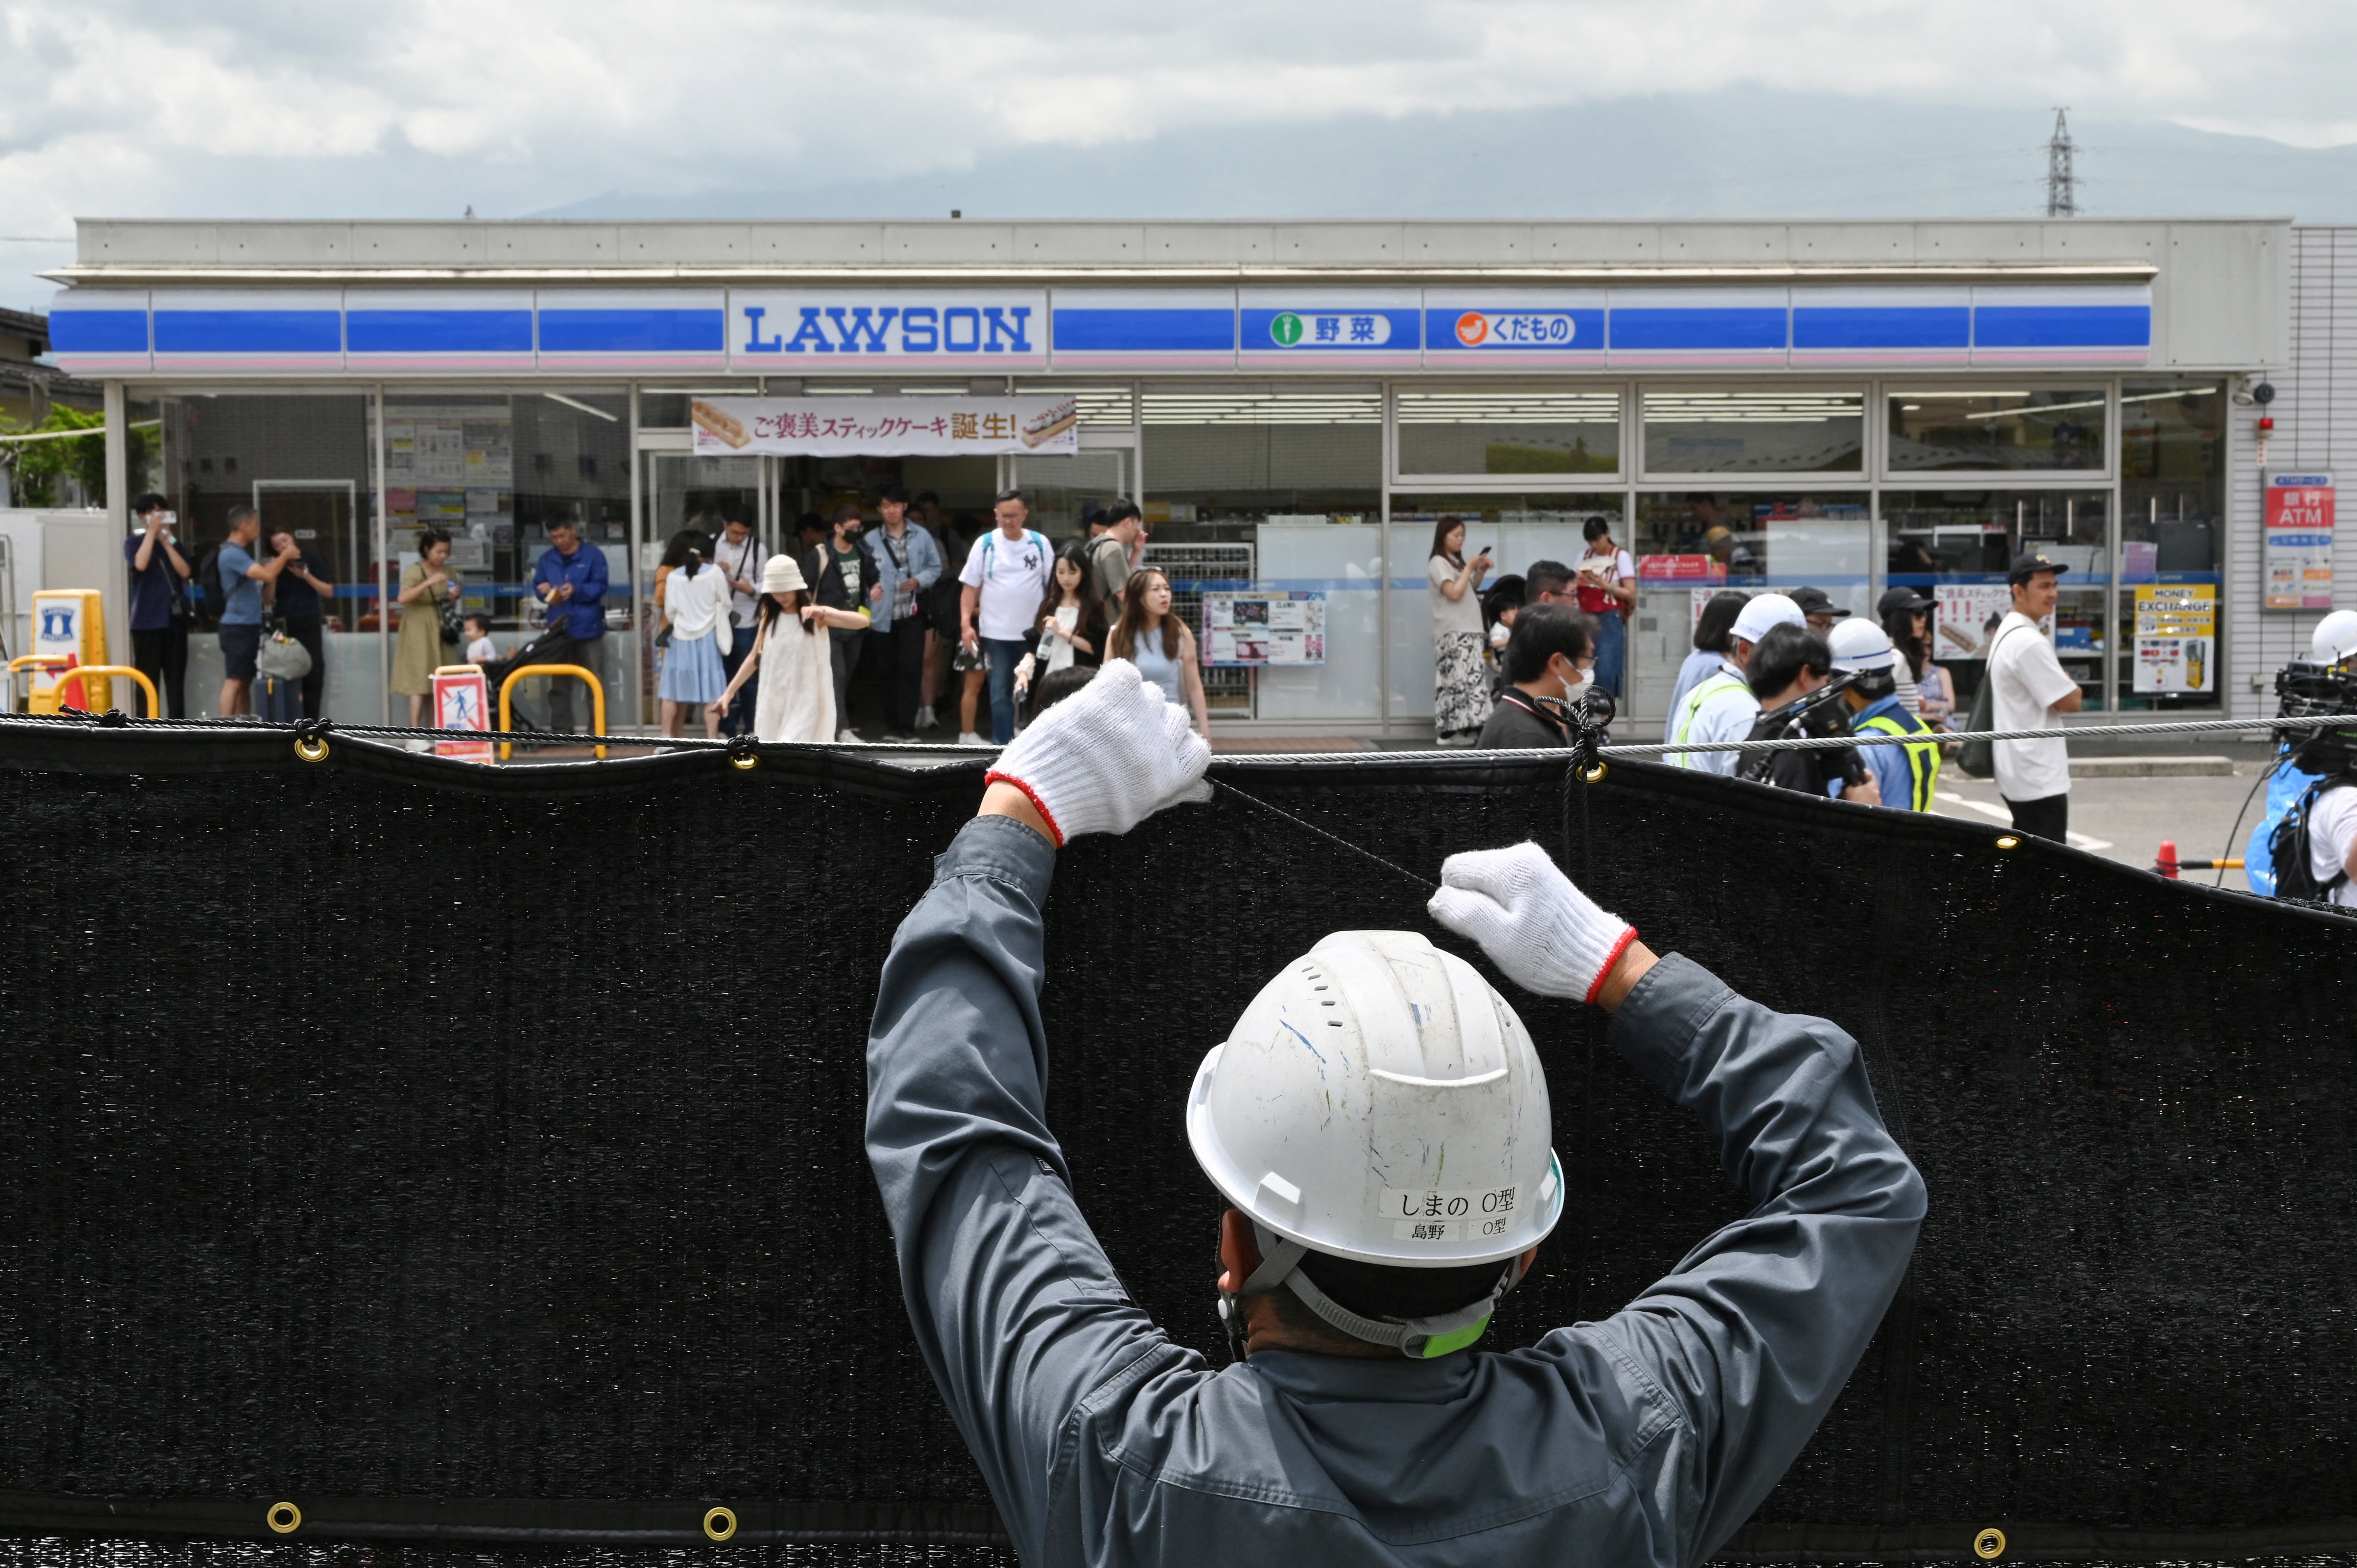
[596, 698]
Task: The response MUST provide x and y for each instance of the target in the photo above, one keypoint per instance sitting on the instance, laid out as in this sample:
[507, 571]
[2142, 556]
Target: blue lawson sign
[1002, 330]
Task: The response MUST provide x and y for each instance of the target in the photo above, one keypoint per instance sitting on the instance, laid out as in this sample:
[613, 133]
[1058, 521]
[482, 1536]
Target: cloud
[423, 107]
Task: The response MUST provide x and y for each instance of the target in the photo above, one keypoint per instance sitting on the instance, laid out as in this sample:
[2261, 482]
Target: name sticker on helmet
[1455, 1214]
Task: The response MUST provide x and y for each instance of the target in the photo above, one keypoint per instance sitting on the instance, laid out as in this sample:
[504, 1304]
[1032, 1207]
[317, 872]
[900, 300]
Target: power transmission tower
[2061, 187]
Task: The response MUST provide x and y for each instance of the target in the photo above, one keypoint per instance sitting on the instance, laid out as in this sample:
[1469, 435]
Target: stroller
[536, 652]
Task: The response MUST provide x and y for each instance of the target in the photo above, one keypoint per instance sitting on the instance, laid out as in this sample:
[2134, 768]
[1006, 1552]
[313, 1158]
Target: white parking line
[2004, 814]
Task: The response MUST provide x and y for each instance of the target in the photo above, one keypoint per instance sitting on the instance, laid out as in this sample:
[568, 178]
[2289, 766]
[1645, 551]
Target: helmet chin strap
[1420, 1338]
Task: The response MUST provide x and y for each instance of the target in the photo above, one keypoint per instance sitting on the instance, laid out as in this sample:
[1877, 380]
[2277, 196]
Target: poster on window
[867, 426]
[2176, 637]
[2297, 559]
[1244, 629]
[1965, 616]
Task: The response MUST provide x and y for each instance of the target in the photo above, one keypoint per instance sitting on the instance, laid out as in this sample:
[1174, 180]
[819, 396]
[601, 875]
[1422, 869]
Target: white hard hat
[1762, 612]
[2336, 638]
[1379, 1101]
[1859, 644]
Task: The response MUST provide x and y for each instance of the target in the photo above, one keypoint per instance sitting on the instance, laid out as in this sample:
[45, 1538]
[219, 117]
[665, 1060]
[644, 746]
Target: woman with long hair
[1924, 689]
[789, 649]
[696, 606]
[1460, 685]
[1713, 638]
[1072, 619]
[1160, 644]
[426, 585]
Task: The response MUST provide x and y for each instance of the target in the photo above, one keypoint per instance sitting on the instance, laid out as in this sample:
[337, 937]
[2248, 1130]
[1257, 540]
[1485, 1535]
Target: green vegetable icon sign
[1286, 329]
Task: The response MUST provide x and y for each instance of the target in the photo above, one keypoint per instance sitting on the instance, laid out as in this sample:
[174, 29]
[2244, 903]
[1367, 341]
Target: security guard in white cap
[1907, 772]
[1722, 707]
[1377, 1124]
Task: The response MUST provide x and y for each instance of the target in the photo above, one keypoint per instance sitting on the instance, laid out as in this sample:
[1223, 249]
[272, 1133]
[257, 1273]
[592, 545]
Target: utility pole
[2061, 187]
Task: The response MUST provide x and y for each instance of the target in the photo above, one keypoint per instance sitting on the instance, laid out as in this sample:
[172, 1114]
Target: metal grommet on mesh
[2008, 842]
[720, 1523]
[1594, 775]
[1989, 1544]
[741, 755]
[284, 1518]
[311, 747]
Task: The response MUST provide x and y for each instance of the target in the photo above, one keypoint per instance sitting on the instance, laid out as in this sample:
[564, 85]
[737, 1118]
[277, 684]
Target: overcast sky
[407, 108]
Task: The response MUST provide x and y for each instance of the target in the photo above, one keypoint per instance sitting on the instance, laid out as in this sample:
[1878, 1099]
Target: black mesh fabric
[472, 1156]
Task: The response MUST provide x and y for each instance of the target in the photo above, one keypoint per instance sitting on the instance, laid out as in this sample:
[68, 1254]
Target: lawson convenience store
[1752, 406]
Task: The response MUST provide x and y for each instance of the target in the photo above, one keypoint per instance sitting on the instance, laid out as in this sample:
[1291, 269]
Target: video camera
[2305, 690]
[1821, 715]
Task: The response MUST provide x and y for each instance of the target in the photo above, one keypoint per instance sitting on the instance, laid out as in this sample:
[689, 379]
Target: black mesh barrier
[470, 1158]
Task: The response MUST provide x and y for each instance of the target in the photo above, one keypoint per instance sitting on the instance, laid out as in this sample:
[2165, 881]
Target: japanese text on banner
[887, 427]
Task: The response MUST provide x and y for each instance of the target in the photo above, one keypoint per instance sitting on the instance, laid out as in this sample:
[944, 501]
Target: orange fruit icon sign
[1472, 327]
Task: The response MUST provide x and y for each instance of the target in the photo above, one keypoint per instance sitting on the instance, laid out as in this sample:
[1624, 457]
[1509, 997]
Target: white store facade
[1749, 405]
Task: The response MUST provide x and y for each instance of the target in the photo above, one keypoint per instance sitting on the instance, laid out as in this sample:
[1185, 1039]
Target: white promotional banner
[887, 427]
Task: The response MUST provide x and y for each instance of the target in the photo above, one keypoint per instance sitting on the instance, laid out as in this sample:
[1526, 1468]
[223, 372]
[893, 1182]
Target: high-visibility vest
[1703, 693]
[1923, 758]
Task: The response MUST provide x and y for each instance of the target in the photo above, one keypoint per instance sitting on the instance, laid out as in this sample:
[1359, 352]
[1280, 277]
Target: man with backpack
[1006, 575]
[2028, 689]
[1109, 551]
[234, 580]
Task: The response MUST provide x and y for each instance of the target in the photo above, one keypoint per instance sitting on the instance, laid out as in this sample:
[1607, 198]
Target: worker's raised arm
[1014, 1307]
[1749, 1339]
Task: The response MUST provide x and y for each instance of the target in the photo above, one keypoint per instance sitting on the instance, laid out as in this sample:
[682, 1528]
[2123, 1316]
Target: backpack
[2288, 846]
[208, 582]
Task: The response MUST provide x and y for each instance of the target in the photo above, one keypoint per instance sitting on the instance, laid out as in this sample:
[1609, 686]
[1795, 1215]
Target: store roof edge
[149, 275]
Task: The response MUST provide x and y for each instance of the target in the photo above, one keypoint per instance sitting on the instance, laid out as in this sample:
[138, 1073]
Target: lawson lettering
[888, 329]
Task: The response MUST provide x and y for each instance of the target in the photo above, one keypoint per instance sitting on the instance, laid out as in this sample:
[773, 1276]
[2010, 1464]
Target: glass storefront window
[1692, 544]
[1955, 546]
[1216, 461]
[1996, 430]
[2172, 543]
[1508, 431]
[305, 461]
[1516, 529]
[1765, 431]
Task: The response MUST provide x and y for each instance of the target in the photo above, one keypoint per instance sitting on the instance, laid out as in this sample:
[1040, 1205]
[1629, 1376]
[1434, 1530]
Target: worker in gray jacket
[1362, 1428]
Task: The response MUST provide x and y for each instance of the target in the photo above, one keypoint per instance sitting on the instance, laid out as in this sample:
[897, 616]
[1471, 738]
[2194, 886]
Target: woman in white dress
[789, 649]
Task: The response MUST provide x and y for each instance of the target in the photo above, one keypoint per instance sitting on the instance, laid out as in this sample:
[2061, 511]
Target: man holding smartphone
[159, 601]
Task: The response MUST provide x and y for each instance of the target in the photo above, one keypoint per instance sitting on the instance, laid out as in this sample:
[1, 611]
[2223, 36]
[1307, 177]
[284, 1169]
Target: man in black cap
[1818, 609]
[2031, 690]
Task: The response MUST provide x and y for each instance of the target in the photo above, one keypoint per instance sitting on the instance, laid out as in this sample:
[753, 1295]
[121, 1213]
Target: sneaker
[899, 737]
[847, 738]
[928, 719]
[970, 738]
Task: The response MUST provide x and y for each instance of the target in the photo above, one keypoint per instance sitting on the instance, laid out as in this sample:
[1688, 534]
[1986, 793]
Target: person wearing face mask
[1547, 660]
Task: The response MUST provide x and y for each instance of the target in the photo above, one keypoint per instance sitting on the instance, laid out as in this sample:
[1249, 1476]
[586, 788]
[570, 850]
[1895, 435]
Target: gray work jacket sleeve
[1753, 1336]
[1015, 1308]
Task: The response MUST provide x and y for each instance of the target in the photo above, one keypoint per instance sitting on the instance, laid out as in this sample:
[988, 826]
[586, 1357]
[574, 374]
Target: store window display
[2172, 605]
[1953, 546]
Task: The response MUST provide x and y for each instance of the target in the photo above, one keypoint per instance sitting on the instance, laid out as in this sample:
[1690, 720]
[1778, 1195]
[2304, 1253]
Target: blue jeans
[1612, 652]
[1003, 654]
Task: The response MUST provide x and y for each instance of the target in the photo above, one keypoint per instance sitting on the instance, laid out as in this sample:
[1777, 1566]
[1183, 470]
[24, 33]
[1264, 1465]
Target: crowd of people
[1766, 666]
[1001, 613]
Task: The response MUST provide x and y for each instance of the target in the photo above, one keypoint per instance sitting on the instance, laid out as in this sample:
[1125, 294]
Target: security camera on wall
[2247, 392]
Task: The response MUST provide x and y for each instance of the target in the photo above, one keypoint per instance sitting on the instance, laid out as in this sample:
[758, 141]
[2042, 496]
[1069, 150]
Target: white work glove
[1108, 757]
[1545, 934]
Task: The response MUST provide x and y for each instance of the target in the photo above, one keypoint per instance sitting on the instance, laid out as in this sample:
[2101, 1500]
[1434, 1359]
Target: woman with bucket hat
[789, 649]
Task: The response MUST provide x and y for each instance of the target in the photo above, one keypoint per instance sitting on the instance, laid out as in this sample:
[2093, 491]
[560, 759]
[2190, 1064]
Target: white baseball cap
[1764, 611]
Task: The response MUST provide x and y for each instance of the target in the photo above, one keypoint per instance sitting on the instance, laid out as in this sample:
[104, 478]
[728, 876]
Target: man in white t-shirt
[1721, 707]
[2031, 690]
[1006, 575]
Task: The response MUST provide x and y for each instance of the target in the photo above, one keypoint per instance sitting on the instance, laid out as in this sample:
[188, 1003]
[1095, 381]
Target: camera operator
[1788, 672]
[2310, 840]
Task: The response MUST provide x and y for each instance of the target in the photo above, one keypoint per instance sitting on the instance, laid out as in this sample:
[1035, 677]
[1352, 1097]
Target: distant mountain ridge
[1723, 156]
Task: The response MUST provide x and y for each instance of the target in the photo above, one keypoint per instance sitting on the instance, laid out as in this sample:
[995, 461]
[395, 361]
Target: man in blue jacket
[1361, 1428]
[570, 579]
